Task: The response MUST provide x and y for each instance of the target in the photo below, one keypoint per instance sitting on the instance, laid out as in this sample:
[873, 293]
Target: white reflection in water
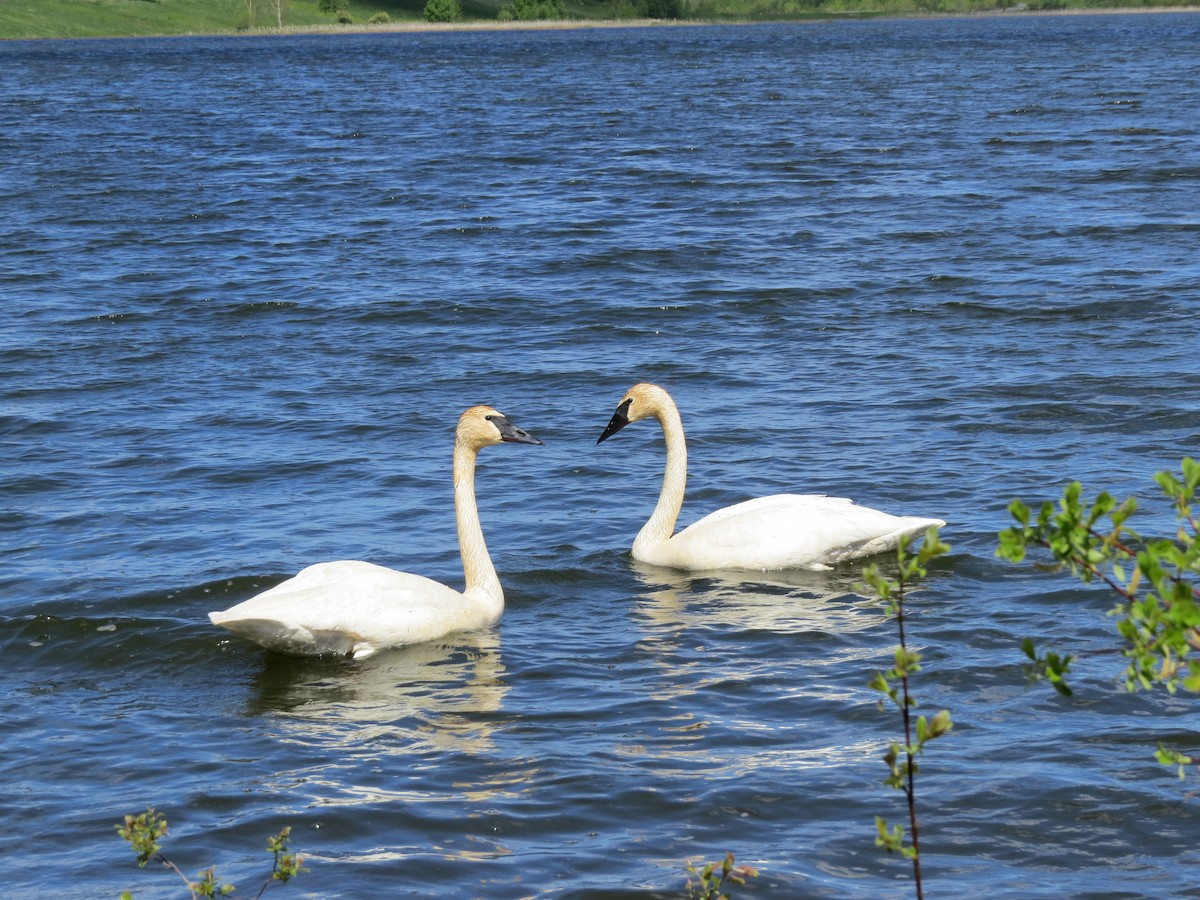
[778, 602]
[413, 854]
[433, 698]
[785, 638]
[411, 728]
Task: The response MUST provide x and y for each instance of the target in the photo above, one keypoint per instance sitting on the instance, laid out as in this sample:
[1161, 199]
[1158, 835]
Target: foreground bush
[143, 831]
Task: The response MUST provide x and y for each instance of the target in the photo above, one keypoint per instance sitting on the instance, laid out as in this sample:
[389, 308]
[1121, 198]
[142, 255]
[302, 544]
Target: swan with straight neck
[354, 608]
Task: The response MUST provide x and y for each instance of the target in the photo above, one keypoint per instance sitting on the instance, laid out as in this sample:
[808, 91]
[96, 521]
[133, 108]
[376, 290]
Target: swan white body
[356, 608]
[783, 531]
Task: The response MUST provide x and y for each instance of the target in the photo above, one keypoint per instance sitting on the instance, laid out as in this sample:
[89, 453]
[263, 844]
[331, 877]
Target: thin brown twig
[910, 775]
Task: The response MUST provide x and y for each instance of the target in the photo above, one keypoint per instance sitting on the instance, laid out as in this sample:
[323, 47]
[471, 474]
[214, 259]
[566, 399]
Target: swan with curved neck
[783, 531]
[354, 608]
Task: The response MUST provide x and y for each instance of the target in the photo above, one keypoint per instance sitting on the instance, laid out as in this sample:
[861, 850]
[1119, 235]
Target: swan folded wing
[785, 531]
[349, 608]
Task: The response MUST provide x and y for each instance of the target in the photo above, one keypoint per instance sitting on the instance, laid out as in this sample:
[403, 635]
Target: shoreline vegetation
[54, 19]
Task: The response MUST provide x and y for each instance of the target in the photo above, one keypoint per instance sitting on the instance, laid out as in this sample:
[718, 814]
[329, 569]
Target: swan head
[641, 401]
[483, 426]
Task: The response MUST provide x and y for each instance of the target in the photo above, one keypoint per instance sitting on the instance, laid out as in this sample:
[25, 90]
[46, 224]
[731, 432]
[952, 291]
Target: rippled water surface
[248, 284]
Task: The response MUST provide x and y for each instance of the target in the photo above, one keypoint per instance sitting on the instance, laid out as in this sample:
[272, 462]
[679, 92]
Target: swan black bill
[510, 433]
[619, 420]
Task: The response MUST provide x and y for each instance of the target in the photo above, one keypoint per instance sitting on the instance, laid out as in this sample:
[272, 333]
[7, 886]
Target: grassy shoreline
[568, 24]
[64, 19]
[563, 24]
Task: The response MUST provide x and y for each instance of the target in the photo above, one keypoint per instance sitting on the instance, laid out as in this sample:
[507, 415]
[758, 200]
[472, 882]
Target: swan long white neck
[478, 570]
[661, 524]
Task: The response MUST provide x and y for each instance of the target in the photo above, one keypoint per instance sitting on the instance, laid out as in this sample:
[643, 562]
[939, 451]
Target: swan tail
[293, 639]
[919, 525]
[908, 526]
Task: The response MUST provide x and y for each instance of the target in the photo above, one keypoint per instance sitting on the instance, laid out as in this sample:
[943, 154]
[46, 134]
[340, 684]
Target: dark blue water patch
[125, 656]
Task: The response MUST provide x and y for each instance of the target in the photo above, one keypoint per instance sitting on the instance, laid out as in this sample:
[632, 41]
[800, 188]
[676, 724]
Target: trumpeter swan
[356, 608]
[783, 531]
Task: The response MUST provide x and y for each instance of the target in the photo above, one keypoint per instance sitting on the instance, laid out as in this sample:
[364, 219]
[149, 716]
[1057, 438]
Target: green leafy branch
[1156, 581]
[711, 882]
[894, 684]
[143, 831]
[1050, 666]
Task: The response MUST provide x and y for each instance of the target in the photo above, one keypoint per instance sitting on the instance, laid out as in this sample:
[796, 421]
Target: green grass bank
[109, 18]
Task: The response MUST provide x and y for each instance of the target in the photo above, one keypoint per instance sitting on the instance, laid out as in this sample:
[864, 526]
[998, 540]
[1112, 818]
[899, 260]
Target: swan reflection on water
[783, 601]
[436, 697]
[408, 733]
[786, 639]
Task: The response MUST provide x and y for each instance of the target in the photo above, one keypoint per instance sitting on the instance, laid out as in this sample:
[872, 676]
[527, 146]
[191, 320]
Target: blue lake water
[248, 284]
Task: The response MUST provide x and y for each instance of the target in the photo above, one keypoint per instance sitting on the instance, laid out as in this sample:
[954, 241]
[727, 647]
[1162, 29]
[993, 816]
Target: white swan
[355, 608]
[783, 531]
